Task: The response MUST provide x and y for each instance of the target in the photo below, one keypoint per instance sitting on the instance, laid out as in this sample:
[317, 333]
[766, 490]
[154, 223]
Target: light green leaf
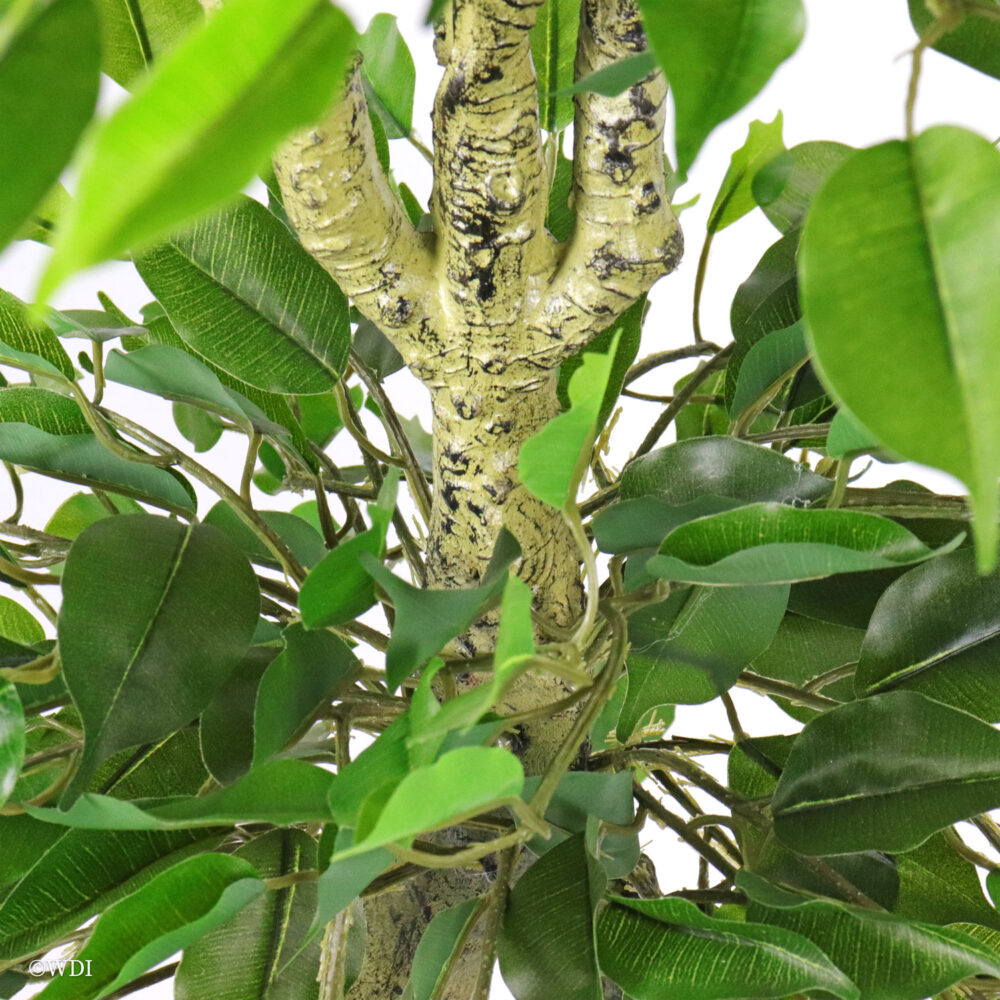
[245, 958]
[155, 616]
[46, 431]
[723, 467]
[242, 292]
[551, 462]
[770, 361]
[174, 910]
[390, 73]
[691, 647]
[18, 623]
[200, 427]
[735, 197]
[82, 510]
[914, 960]
[427, 619]
[304, 677]
[63, 34]
[134, 33]
[896, 262]
[885, 773]
[12, 742]
[718, 54]
[278, 792]
[784, 188]
[345, 878]
[615, 78]
[553, 51]
[338, 588]
[975, 41]
[201, 125]
[773, 543]
[936, 630]
[548, 928]
[30, 338]
[441, 794]
[667, 949]
[430, 961]
[848, 437]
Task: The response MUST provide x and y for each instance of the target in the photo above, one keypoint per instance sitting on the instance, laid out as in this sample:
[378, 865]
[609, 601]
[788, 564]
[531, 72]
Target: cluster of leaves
[176, 756]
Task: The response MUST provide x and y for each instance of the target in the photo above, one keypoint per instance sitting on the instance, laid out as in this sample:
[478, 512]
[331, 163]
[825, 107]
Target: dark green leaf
[175, 909]
[245, 958]
[642, 523]
[735, 198]
[553, 51]
[936, 630]
[885, 773]
[769, 362]
[63, 34]
[914, 960]
[975, 41]
[717, 56]
[307, 674]
[560, 220]
[724, 467]
[613, 79]
[376, 350]
[773, 543]
[924, 217]
[134, 33]
[155, 617]
[430, 961]
[206, 118]
[12, 741]
[305, 542]
[427, 619]
[548, 929]
[241, 291]
[25, 336]
[691, 648]
[784, 188]
[667, 949]
[391, 75]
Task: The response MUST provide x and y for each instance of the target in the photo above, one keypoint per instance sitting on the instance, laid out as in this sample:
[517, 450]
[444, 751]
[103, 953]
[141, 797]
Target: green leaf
[441, 794]
[848, 437]
[305, 542]
[642, 523]
[717, 55]
[553, 51]
[735, 197]
[773, 543]
[691, 647]
[723, 467]
[914, 960]
[551, 462]
[18, 623]
[201, 428]
[63, 34]
[245, 958]
[306, 675]
[667, 949]
[177, 908]
[53, 879]
[924, 217]
[772, 360]
[135, 33]
[885, 773]
[426, 620]
[784, 187]
[226, 730]
[339, 588]
[46, 432]
[82, 510]
[19, 331]
[345, 878]
[12, 742]
[390, 73]
[277, 792]
[560, 219]
[201, 125]
[548, 928]
[155, 617]
[430, 961]
[613, 79]
[936, 630]
[624, 349]
[242, 292]
[975, 41]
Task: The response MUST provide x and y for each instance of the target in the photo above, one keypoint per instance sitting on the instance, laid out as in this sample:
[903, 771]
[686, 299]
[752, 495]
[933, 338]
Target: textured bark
[484, 310]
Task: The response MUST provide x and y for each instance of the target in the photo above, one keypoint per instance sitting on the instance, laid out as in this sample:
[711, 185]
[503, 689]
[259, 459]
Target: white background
[847, 83]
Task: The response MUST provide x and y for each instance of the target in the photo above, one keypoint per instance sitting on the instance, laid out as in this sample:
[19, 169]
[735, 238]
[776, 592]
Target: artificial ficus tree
[175, 741]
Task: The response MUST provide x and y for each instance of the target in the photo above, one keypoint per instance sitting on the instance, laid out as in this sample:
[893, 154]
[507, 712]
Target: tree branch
[626, 233]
